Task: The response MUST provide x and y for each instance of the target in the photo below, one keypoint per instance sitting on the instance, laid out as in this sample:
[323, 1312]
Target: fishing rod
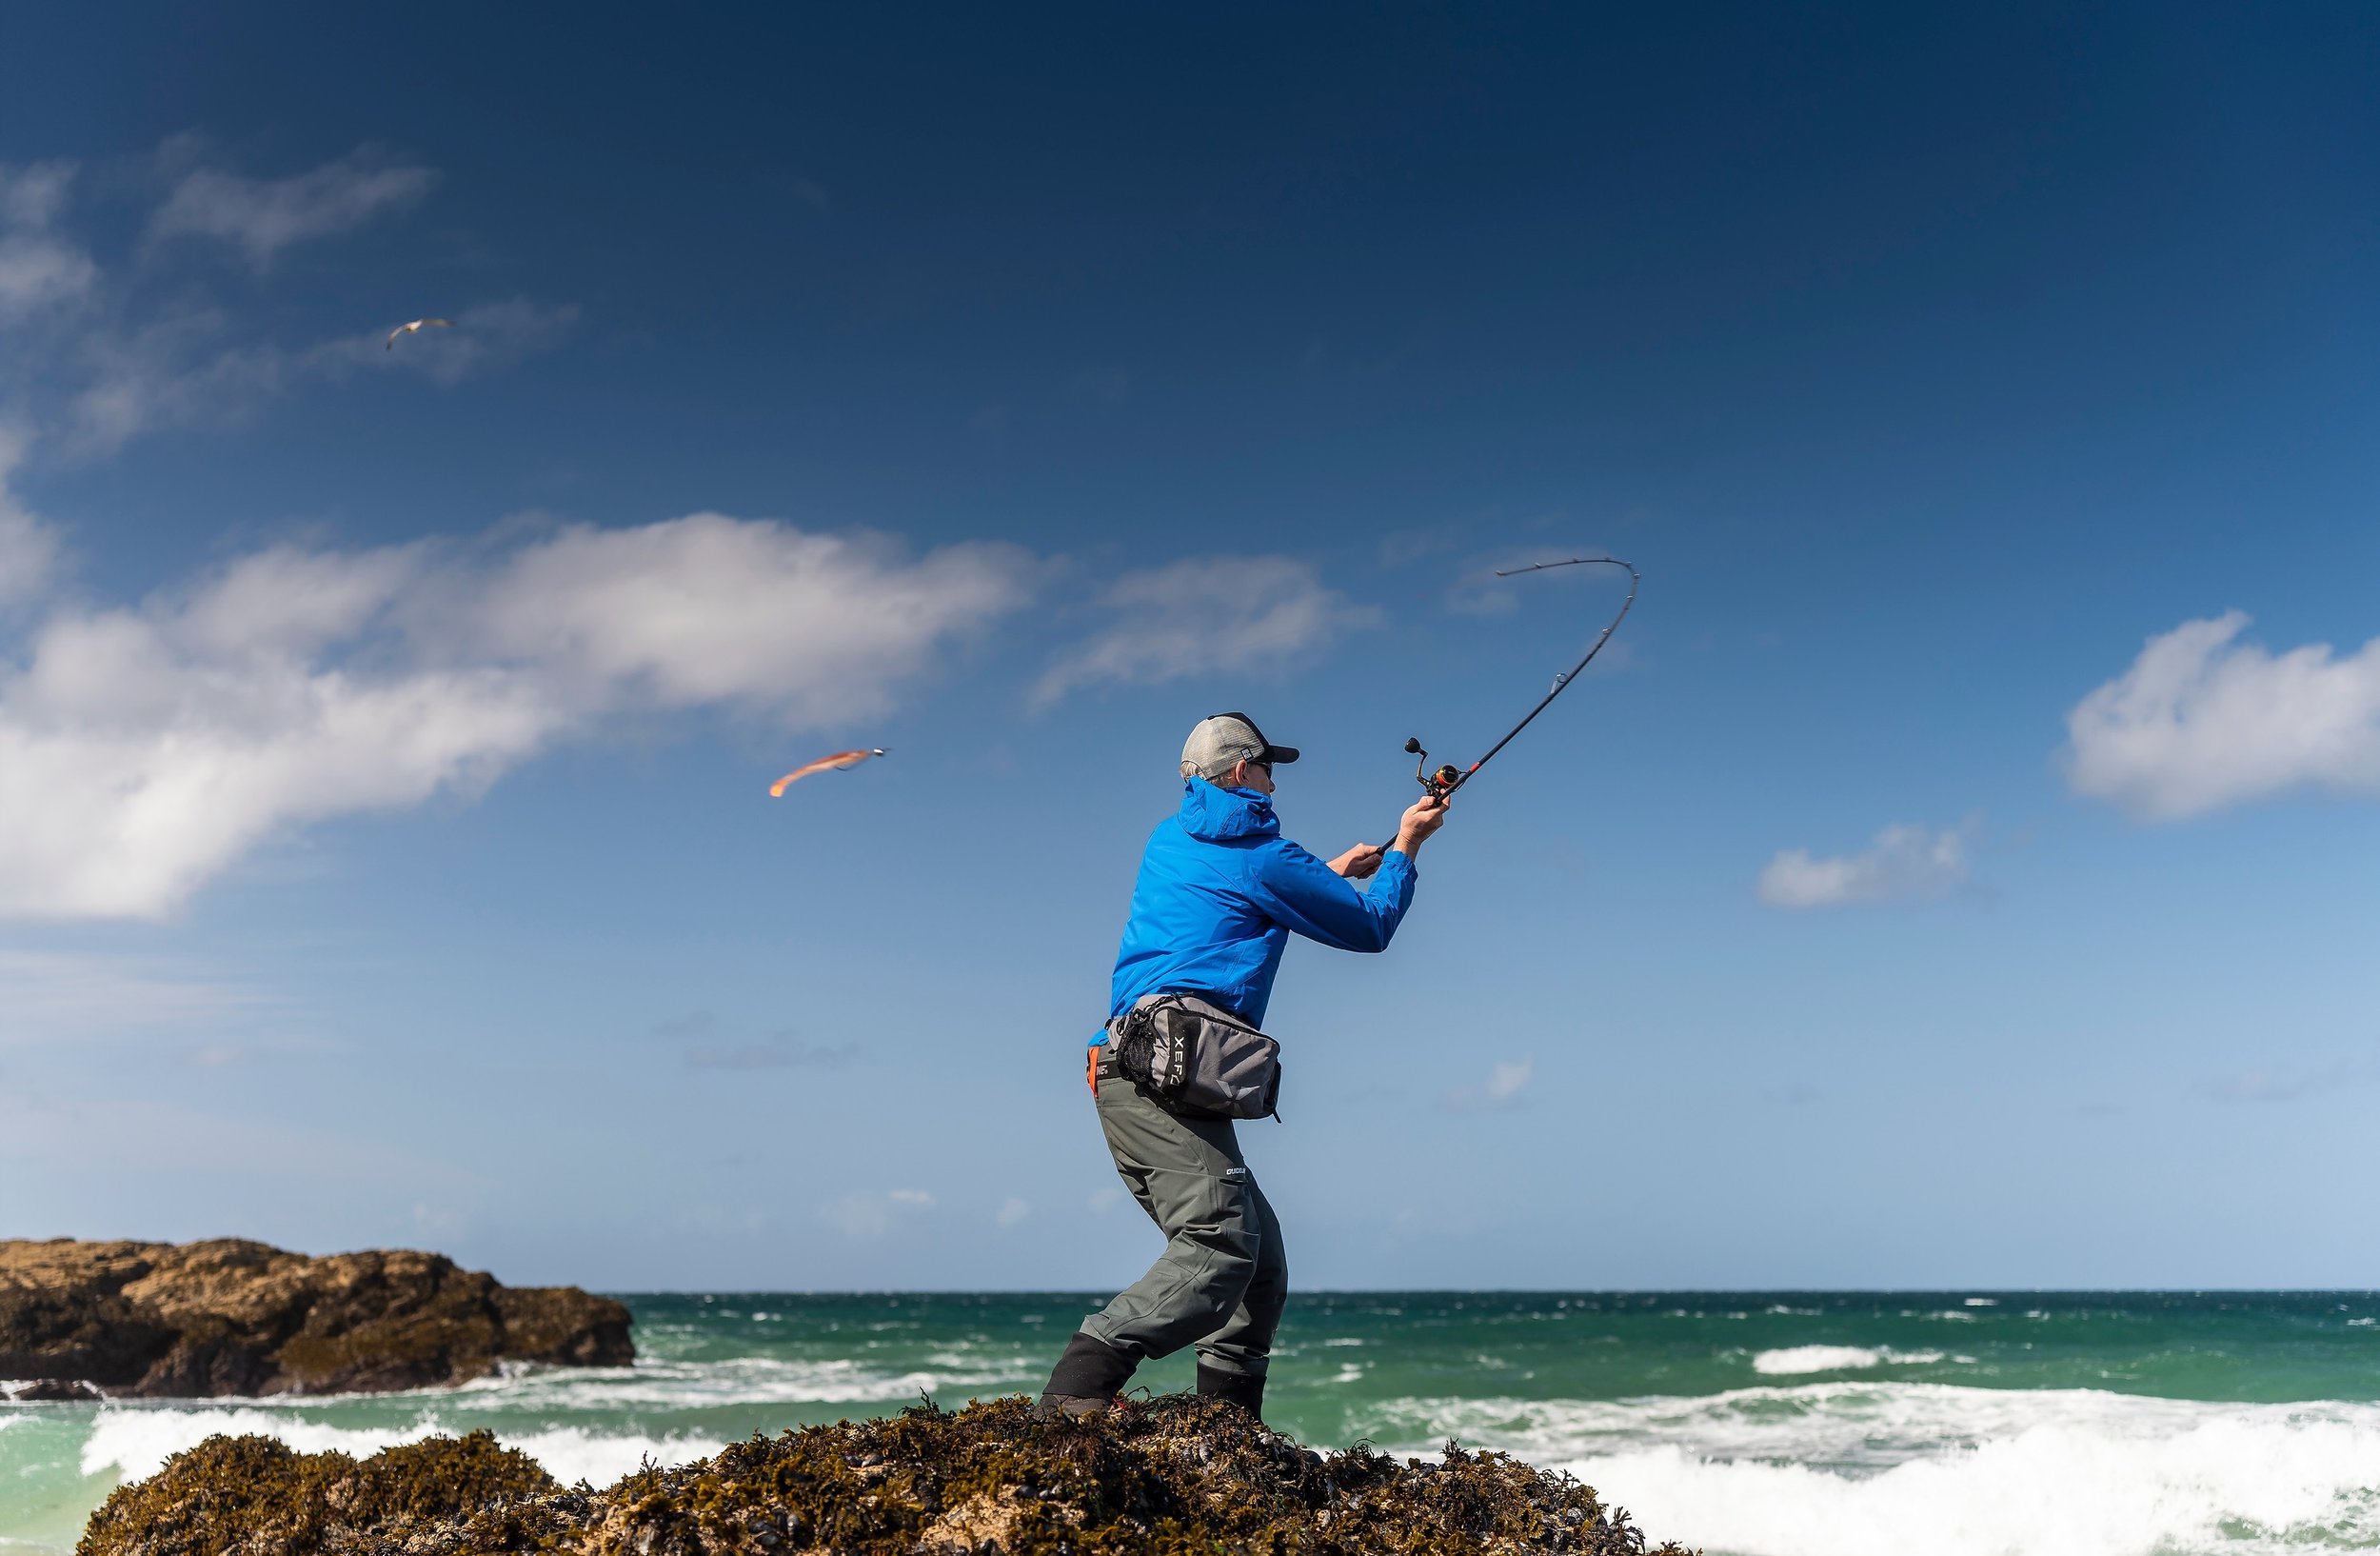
[1443, 782]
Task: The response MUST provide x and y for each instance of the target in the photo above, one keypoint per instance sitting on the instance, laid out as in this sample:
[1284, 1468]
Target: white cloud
[38, 268]
[2202, 721]
[262, 216]
[1906, 862]
[1013, 1210]
[1224, 615]
[814, 627]
[144, 750]
[1507, 1079]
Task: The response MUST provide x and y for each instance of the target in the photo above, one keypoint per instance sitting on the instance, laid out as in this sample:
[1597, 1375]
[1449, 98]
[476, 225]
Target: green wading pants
[1224, 1277]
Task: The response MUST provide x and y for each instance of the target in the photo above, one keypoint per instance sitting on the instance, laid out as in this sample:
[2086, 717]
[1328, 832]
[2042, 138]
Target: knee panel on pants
[1219, 1233]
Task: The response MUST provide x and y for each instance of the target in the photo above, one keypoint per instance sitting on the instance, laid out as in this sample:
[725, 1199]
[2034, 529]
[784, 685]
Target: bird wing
[418, 324]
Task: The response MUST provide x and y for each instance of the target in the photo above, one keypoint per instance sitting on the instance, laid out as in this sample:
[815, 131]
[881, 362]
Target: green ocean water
[1754, 1424]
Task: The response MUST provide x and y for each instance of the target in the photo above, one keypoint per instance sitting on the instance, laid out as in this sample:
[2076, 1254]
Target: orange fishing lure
[837, 763]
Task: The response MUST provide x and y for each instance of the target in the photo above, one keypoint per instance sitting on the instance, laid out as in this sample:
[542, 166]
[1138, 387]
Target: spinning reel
[1439, 784]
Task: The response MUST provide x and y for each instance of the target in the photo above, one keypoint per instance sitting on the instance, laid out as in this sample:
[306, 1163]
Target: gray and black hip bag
[1197, 1059]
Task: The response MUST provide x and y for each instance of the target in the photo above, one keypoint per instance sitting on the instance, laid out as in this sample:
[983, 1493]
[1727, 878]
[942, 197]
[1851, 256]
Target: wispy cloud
[1224, 616]
[1507, 1079]
[51, 996]
[145, 748]
[94, 352]
[262, 216]
[177, 371]
[29, 546]
[1906, 862]
[2202, 721]
[871, 1215]
[175, 1138]
[775, 1054]
[2290, 1083]
[39, 267]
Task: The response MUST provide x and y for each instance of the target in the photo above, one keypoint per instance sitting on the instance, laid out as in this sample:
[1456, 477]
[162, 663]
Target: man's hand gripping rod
[1441, 785]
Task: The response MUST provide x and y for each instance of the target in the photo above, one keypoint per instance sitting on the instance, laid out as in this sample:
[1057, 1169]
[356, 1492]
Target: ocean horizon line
[1647, 1292]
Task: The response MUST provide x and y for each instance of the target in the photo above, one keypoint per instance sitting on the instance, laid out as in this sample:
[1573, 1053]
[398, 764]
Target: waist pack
[1198, 1060]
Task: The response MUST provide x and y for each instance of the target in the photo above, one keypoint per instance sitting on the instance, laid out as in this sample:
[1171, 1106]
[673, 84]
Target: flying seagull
[837, 762]
[418, 324]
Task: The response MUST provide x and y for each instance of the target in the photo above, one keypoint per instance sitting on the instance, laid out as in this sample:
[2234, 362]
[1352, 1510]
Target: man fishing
[1218, 892]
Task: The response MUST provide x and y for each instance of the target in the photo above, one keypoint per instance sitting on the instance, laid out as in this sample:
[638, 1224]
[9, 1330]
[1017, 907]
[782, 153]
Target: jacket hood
[1214, 814]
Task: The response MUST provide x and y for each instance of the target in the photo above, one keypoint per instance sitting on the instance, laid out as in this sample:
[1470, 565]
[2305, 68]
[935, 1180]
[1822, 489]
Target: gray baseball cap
[1220, 740]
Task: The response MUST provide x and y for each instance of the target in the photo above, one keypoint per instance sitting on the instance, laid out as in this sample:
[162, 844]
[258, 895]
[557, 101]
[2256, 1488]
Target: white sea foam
[136, 1442]
[1798, 1359]
[1854, 1468]
[571, 1454]
[744, 1380]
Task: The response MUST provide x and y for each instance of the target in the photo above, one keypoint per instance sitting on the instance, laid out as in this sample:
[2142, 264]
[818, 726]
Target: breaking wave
[1882, 1469]
[1796, 1359]
[136, 1442]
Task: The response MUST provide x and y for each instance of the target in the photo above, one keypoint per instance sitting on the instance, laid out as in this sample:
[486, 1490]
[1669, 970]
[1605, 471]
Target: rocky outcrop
[1178, 1474]
[235, 1317]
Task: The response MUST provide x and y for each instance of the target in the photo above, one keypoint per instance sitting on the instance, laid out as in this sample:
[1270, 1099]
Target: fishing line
[1450, 778]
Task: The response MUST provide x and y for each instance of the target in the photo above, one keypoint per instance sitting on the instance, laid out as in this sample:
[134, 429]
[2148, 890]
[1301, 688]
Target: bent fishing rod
[1447, 779]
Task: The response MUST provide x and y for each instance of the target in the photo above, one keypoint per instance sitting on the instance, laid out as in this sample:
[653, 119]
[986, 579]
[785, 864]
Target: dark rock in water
[57, 1392]
[1176, 1475]
[235, 1317]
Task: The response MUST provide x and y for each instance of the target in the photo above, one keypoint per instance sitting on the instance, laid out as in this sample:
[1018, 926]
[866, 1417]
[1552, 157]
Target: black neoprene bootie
[1085, 1379]
[1242, 1391]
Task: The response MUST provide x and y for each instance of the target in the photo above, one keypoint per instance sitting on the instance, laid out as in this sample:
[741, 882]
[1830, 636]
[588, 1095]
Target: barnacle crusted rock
[235, 1317]
[1171, 1477]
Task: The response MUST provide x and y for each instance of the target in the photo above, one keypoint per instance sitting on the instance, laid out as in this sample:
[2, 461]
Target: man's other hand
[1426, 815]
[1358, 863]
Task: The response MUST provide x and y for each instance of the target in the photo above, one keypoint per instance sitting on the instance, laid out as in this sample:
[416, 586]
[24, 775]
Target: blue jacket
[1220, 890]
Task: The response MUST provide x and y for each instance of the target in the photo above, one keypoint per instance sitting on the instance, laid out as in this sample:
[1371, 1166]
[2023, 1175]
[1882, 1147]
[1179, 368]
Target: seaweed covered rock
[254, 1494]
[1176, 1475]
[236, 1317]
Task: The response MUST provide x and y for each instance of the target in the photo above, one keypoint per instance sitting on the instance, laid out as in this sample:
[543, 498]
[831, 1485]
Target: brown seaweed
[1168, 1476]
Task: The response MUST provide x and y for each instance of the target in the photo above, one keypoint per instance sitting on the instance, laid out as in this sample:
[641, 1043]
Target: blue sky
[1960, 872]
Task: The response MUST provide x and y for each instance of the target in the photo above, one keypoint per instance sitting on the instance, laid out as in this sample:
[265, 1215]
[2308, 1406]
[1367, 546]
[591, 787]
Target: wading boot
[1085, 1379]
[1242, 1391]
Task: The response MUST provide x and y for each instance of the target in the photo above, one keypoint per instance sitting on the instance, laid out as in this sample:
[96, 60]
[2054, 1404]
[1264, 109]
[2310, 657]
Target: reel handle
[1436, 785]
[1440, 783]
